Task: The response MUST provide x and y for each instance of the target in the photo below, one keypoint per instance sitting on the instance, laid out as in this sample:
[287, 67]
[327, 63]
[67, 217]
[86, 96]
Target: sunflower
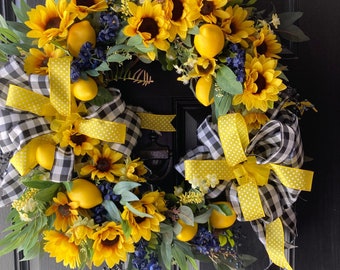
[110, 245]
[49, 22]
[36, 61]
[255, 120]
[66, 212]
[84, 7]
[262, 85]
[104, 165]
[203, 67]
[208, 10]
[82, 229]
[80, 143]
[58, 246]
[134, 170]
[237, 28]
[266, 43]
[177, 11]
[141, 227]
[149, 22]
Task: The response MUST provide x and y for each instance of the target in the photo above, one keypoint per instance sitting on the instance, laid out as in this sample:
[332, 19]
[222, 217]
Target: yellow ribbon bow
[62, 107]
[234, 138]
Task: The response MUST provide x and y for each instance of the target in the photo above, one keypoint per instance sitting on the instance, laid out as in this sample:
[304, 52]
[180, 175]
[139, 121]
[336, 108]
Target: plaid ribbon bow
[279, 142]
[18, 128]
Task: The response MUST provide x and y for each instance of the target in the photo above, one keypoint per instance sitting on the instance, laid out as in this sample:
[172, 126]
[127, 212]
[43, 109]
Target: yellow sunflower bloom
[66, 212]
[58, 246]
[141, 227]
[49, 22]
[266, 43]
[82, 230]
[237, 28]
[262, 85]
[80, 143]
[36, 61]
[110, 245]
[83, 8]
[255, 120]
[134, 170]
[177, 12]
[104, 165]
[150, 23]
[203, 67]
[208, 10]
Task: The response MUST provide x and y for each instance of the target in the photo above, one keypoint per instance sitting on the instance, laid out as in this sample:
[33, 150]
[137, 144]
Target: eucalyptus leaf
[128, 196]
[112, 211]
[136, 212]
[104, 66]
[203, 218]
[222, 104]
[186, 214]
[117, 58]
[179, 257]
[103, 96]
[134, 41]
[122, 186]
[166, 255]
[247, 259]
[167, 235]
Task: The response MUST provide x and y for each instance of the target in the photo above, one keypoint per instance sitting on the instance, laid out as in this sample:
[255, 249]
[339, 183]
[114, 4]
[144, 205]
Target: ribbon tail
[157, 122]
[275, 244]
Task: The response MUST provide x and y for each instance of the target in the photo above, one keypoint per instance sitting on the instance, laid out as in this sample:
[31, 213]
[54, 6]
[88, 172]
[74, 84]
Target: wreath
[67, 138]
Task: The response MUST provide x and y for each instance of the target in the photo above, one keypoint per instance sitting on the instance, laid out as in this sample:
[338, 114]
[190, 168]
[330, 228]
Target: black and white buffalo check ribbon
[279, 142]
[17, 128]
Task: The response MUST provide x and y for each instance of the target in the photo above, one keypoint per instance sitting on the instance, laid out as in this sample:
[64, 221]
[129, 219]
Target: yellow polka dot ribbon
[61, 110]
[234, 138]
[157, 122]
[275, 244]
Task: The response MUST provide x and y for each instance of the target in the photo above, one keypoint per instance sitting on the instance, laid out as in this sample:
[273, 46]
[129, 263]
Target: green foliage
[288, 29]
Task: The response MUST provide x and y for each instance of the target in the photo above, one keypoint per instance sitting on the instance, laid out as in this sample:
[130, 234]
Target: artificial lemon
[84, 90]
[85, 193]
[188, 232]
[210, 40]
[45, 155]
[78, 34]
[219, 220]
[202, 90]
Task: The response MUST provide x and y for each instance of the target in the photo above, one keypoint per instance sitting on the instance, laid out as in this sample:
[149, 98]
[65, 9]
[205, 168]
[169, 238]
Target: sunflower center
[139, 219]
[178, 10]
[64, 210]
[262, 49]
[261, 83]
[78, 139]
[87, 3]
[207, 8]
[44, 62]
[203, 70]
[149, 25]
[103, 164]
[109, 243]
[53, 23]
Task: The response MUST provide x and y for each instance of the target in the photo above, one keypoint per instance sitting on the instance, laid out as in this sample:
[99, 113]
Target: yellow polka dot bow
[60, 108]
[234, 138]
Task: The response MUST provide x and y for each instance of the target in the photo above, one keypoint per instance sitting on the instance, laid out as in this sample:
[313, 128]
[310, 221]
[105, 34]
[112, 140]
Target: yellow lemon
[202, 90]
[210, 40]
[220, 220]
[86, 193]
[45, 155]
[78, 34]
[188, 232]
[84, 90]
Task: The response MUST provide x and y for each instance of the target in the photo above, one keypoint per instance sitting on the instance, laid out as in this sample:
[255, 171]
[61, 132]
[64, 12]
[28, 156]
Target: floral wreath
[67, 137]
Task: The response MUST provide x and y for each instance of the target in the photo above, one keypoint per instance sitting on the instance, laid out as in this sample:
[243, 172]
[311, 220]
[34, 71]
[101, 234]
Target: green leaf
[21, 12]
[136, 212]
[112, 211]
[293, 33]
[46, 195]
[39, 184]
[134, 41]
[103, 96]
[247, 259]
[128, 196]
[179, 257]
[289, 18]
[227, 81]
[118, 58]
[222, 103]
[9, 49]
[122, 186]
[8, 35]
[166, 255]
[186, 214]
[203, 218]
[167, 233]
